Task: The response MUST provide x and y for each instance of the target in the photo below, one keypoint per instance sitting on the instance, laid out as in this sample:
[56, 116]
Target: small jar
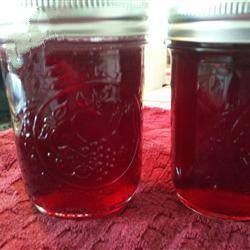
[210, 53]
[73, 71]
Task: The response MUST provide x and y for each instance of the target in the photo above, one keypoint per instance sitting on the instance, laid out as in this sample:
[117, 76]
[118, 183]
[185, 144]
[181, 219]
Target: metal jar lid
[213, 21]
[94, 18]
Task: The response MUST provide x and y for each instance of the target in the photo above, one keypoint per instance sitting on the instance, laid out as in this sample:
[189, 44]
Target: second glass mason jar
[210, 49]
[73, 72]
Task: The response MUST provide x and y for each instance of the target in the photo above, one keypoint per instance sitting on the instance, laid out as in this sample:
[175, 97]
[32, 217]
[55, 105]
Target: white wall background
[156, 52]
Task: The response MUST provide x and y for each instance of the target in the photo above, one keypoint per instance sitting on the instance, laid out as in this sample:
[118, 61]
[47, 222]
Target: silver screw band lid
[82, 17]
[214, 21]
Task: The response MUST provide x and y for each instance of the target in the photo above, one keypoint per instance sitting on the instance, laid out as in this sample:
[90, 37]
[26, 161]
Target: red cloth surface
[154, 219]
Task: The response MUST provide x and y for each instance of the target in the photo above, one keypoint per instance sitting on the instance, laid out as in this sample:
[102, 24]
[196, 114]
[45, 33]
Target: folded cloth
[154, 219]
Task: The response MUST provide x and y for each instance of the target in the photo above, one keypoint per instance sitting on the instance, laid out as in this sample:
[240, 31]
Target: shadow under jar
[211, 109]
[75, 99]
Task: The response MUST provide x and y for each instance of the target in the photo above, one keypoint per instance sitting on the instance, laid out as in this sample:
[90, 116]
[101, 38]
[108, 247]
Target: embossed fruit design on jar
[77, 116]
[211, 108]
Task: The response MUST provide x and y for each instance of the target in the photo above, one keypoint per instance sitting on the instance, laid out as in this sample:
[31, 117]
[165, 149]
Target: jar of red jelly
[73, 71]
[210, 50]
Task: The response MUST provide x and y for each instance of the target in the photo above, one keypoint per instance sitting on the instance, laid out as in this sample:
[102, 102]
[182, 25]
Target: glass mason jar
[73, 71]
[210, 52]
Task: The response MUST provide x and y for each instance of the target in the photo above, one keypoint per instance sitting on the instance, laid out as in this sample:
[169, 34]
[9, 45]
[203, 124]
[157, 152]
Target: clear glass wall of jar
[74, 74]
[210, 50]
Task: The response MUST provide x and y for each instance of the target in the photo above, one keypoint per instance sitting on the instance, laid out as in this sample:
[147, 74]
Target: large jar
[73, 71]
[210, 47]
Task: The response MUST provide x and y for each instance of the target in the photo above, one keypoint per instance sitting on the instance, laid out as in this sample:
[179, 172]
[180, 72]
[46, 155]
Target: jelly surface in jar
[80, 135]
[211, 130]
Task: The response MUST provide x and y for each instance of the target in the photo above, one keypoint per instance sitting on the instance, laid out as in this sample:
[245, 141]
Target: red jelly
[74, 74]
[80, 139]
[211, 130]
[211, 112]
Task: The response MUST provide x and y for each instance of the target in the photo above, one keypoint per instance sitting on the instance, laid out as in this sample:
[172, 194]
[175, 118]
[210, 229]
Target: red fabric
[154, 219]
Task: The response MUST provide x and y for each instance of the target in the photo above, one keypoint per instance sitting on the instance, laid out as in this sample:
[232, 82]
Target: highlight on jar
[210, 53]
[74, 87]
